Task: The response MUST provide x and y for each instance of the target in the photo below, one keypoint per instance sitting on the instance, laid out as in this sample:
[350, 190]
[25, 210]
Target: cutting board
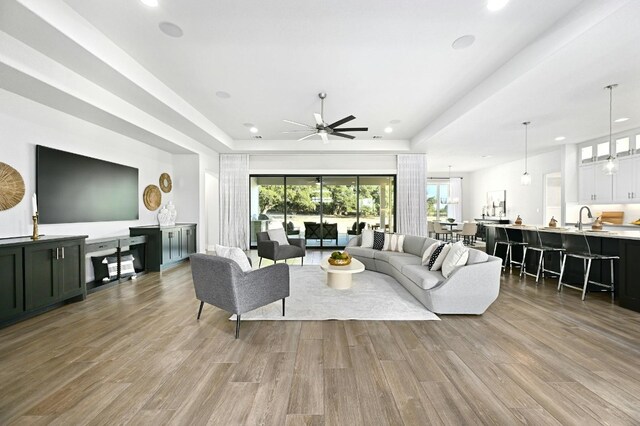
[615, 218]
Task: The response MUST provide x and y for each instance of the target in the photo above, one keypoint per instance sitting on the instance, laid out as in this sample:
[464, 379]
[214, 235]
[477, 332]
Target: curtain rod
[444, 178]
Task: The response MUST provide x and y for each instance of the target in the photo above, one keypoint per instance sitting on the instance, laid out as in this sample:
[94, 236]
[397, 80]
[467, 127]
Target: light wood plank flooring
[136, 354]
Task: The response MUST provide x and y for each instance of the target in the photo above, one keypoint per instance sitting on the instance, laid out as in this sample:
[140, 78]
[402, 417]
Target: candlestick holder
[35, 235]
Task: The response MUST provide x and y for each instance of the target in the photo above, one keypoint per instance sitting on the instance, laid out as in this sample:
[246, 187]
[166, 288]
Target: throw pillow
[438, 256]
[126, 266]
[378, 240]
[278, 235]
[393, 242]
[100, 271]
[235, 254]
[426, 256]
[457, 256]
[367, 238]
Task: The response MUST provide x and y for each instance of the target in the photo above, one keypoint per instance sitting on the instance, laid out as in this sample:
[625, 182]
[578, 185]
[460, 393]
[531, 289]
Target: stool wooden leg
[586, 279]
[564, 259]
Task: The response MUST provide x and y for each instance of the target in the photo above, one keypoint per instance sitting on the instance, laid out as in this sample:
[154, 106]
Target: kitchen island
[622, 243]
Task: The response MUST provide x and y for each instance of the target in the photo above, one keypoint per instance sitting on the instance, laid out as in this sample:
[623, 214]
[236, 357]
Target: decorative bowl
[340, 262]
[451, 220]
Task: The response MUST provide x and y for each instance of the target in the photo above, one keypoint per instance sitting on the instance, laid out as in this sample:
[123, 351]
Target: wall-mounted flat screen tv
[73, 188]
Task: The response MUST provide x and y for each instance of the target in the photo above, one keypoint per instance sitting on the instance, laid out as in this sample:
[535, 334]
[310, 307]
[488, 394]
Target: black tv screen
[73, 188]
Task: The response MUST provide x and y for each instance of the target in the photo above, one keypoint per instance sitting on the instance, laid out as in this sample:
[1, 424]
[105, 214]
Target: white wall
[25, 124]
[526, 201]
[323, 164]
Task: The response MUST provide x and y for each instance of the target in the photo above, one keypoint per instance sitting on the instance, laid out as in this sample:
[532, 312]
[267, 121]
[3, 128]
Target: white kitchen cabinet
[594, 187]
[625, 186]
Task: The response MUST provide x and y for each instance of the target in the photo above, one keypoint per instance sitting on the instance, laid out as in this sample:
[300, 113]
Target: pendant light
[525, 179]
[451, 200]
[610, 167]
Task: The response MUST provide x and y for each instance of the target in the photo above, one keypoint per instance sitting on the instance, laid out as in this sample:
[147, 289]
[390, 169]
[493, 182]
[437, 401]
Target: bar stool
[502, 238]
[577, 246]
[536, 244]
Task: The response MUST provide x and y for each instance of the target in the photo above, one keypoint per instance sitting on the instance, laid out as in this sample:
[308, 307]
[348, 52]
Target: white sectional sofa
[470, 289]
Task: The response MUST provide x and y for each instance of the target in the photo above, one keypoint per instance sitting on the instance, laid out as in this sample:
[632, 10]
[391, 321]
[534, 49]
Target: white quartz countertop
[606, 233]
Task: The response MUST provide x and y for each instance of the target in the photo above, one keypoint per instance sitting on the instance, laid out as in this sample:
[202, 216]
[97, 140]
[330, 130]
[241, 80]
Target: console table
[167, 245]
[38, 275]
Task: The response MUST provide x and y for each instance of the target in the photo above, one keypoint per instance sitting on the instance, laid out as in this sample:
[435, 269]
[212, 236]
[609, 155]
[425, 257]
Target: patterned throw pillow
[438, 256]
[393, 242]
[378, 240]
[367, 238]
[426, 256]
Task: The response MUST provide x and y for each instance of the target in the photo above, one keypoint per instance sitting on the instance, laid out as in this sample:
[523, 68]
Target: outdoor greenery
[339, 200]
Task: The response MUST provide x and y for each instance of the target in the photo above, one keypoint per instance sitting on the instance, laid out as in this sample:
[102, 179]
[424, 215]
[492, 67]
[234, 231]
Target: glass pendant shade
[525, 179]
[610, 167]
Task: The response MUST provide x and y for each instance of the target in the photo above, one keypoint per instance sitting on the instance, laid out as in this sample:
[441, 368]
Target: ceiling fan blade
[325, 137]
[343, 135]
[351, 129]
[305, 137]
[299, 124]
[318, 118]
[298, 131]
[340, 122]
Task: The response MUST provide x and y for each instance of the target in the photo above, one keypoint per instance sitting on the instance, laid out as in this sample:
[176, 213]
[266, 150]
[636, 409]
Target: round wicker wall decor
[165, 183]
[11, 187]
[152, 197]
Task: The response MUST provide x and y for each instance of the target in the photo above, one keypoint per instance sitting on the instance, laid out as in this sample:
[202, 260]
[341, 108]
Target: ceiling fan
[323, 129]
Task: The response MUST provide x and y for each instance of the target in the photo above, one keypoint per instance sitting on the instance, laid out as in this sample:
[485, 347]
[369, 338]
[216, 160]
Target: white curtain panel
[455, 191]
[411, 188]
[234, 200]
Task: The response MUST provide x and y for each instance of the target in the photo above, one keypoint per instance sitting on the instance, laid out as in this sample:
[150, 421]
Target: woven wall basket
[11, 187]
[165, 182]
[152, 197]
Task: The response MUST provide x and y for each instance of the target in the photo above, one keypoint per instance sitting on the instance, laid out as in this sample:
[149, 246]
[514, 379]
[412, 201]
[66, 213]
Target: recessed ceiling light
[256, 137]
[621, 119]
[150, 3]
[396, 121]
[560, 138]
[253, 130]
[248, 125]
[171, 29]
[463, 42]
[224, 95]
[486, 156]
[377, 137]
[494, 5]
[388, 129]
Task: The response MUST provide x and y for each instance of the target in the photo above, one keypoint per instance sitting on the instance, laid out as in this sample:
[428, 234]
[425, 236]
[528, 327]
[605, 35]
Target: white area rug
[373, 296]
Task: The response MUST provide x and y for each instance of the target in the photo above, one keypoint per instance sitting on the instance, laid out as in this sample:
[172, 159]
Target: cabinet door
[624, 180]
[176, 246]
[604, 187]
[188, 241]
[11, 285]
[635, 191]
[586, 183]
[166, 245]
[70, 275]
[41, 274]
[170, 245]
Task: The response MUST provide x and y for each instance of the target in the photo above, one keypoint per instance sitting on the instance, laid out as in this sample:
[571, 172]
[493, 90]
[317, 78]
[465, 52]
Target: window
[586, 154]
[437, 195]
[603, 149]
[622, 146]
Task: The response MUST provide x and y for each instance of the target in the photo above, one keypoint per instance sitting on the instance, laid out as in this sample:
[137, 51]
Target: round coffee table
[339, 277]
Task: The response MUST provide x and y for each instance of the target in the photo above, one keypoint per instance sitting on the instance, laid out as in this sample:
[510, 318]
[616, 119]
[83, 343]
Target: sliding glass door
[326, 211]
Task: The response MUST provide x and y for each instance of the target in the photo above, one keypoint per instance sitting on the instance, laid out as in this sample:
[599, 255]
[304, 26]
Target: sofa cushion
[422, 277]
[413, 245]
[456, 257]
[398, 260]
[426, 256]
[361, 251]
[388, 255]
[477, 256]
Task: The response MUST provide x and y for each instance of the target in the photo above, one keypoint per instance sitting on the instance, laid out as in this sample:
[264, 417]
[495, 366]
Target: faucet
[589, 215]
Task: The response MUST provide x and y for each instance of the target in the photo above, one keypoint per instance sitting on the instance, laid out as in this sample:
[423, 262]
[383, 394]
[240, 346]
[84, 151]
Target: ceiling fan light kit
[323, 129]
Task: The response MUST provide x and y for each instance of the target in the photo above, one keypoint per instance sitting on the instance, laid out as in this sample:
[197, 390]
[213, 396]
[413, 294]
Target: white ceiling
[539, 60]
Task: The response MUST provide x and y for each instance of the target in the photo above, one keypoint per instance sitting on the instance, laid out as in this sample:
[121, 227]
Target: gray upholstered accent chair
[220, 282]
[274, 251]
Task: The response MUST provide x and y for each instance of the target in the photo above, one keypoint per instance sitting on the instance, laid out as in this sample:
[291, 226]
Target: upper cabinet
[626, 183]
[593, 185]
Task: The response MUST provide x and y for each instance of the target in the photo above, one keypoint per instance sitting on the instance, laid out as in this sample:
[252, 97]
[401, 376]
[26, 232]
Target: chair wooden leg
[200, 310]
[237, 326]
[283, 306]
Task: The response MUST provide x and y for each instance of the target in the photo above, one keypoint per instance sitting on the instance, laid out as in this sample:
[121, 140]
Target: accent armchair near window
[274, 251]
[220, 282]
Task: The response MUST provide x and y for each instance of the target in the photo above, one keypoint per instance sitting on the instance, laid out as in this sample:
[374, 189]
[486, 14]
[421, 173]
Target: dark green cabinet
[629, 286]
[36, 275]
[167, 245]
[11, 282]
